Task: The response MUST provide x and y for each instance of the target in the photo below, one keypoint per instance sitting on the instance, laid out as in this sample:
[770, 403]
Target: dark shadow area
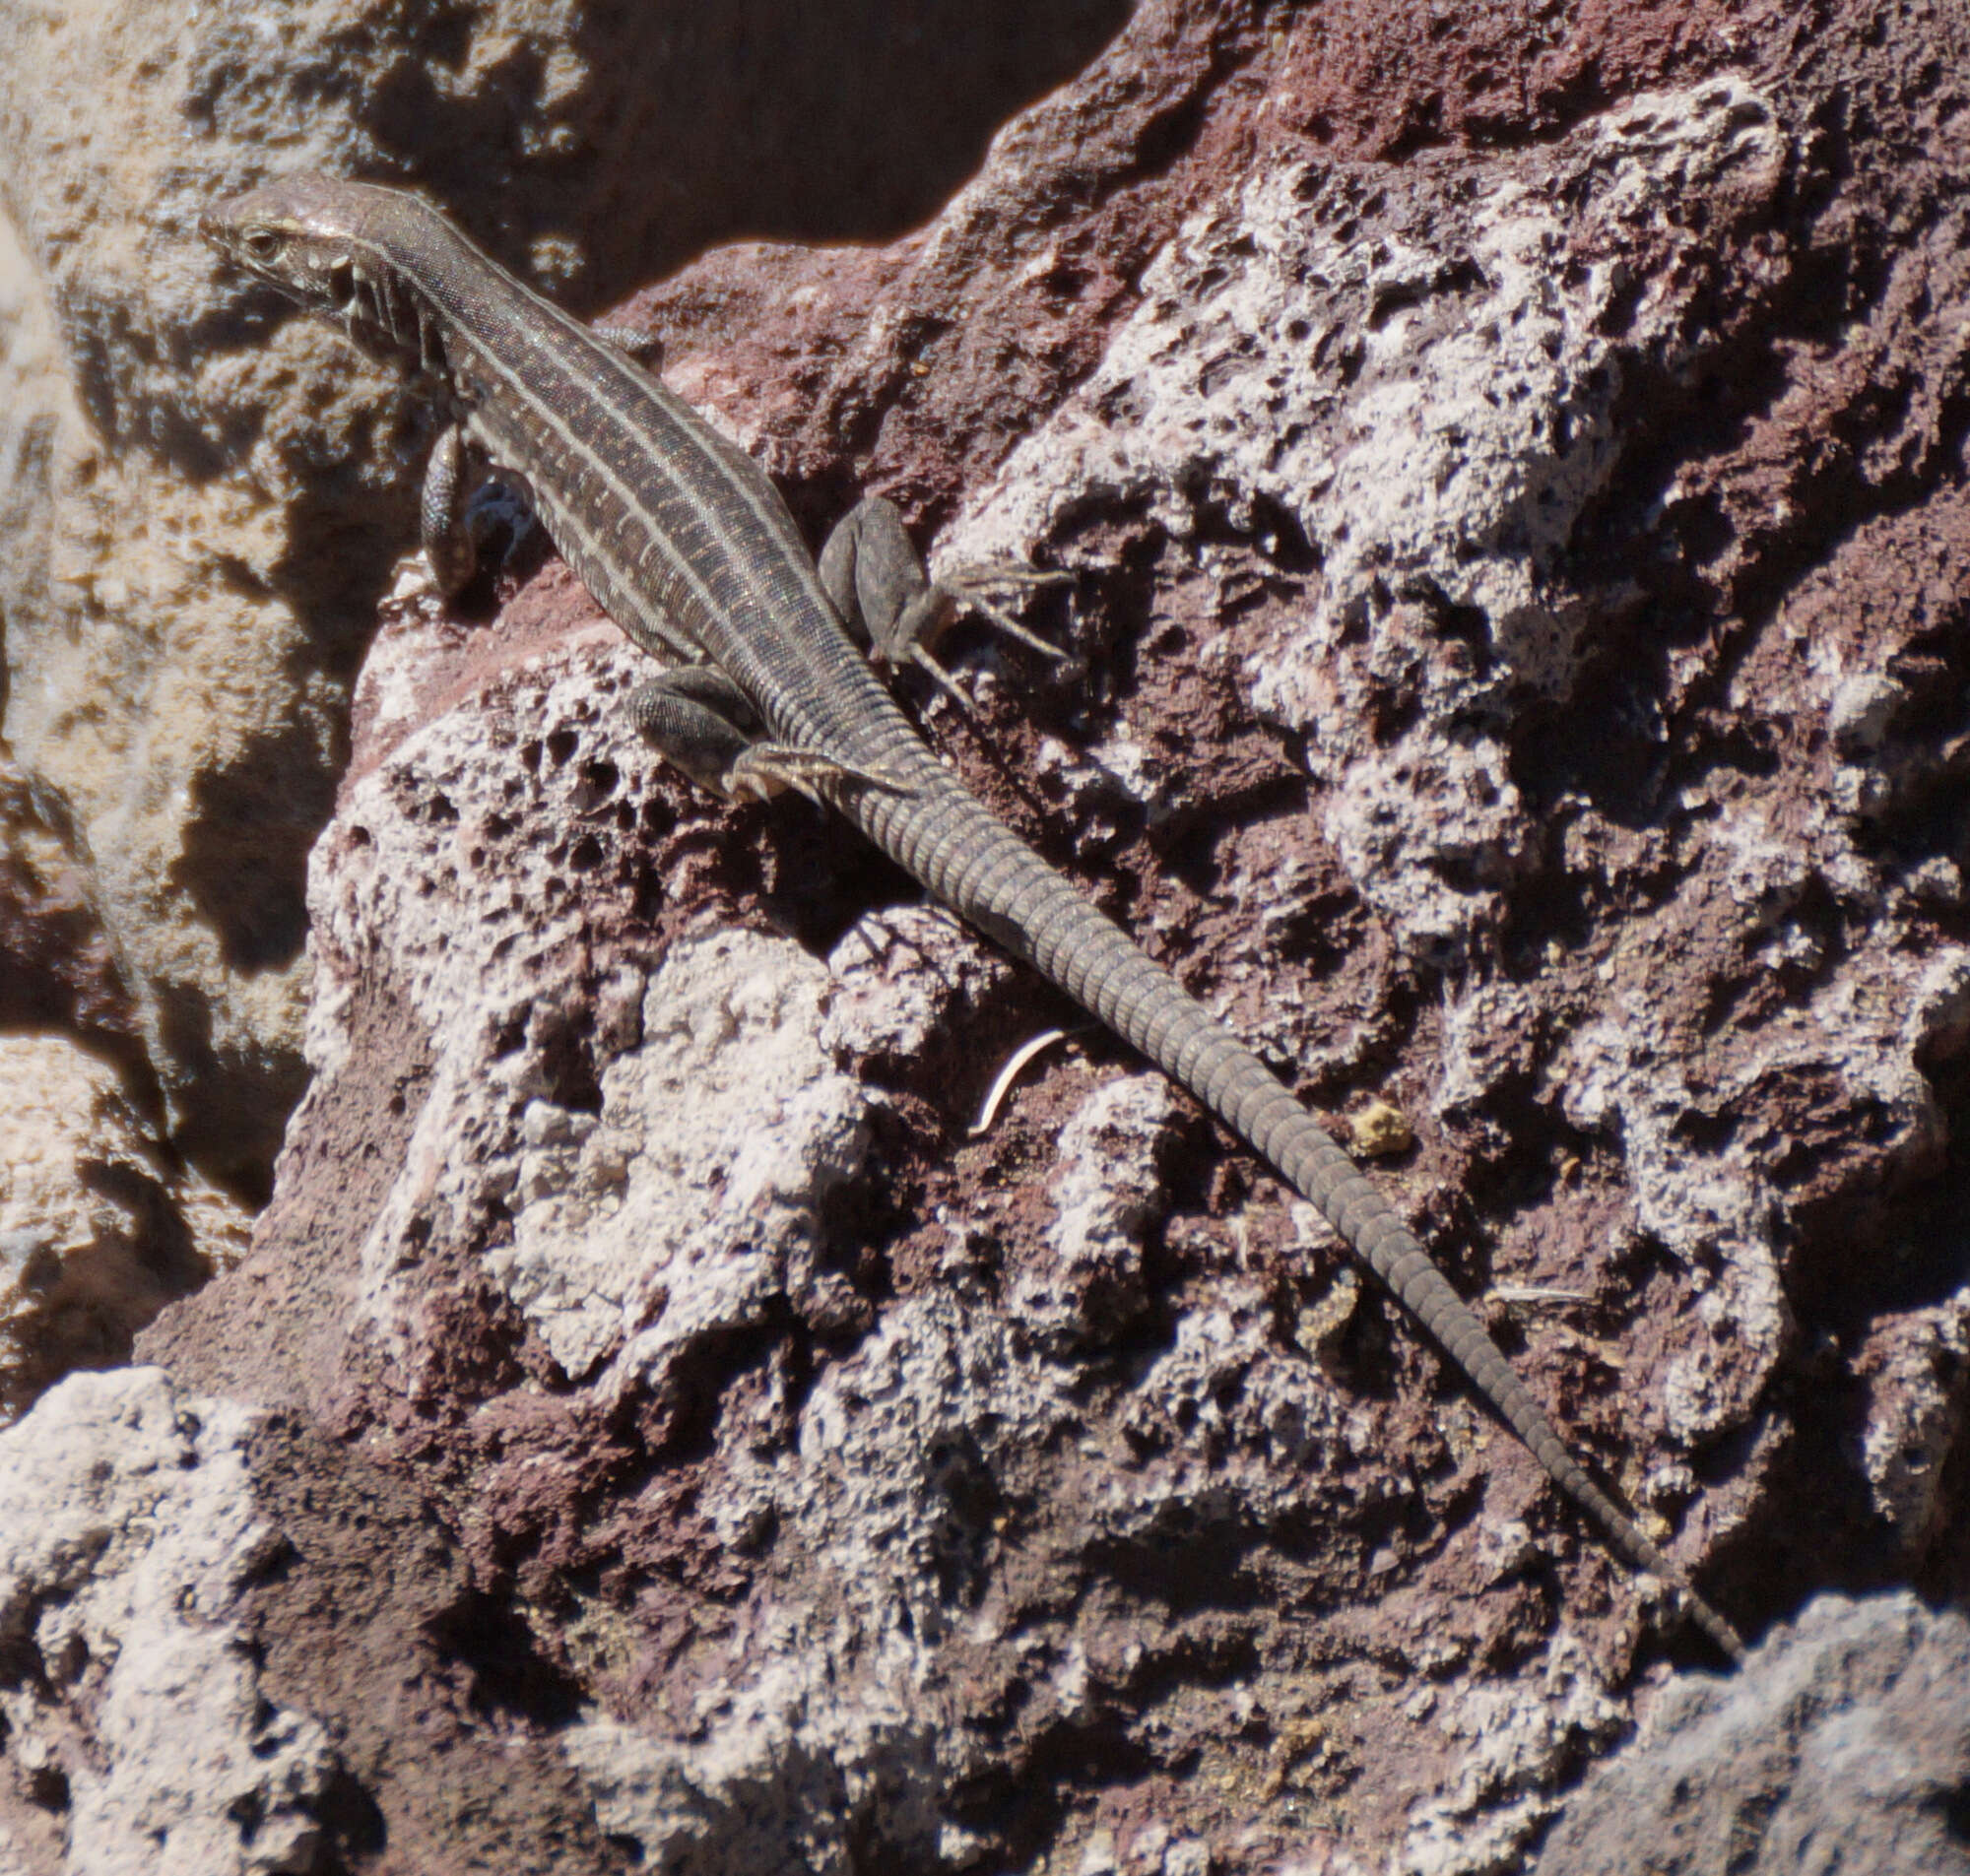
[245, 860]
[815, 122]
[510, 1673]
[233, 1141]
[58, 969]
[356, 1826]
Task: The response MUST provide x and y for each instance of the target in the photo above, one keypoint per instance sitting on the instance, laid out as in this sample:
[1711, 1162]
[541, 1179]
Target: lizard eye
[259, 244]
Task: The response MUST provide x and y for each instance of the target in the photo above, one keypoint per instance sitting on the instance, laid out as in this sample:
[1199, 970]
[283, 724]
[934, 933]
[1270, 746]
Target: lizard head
[335, 247]
[303, 235]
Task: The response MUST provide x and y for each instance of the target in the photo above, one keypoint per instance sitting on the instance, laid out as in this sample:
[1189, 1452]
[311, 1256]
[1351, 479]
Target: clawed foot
[969, 589]
[976, 589]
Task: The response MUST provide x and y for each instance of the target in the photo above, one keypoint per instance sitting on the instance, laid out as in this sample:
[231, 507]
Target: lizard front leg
[452, 473]
[699, 721]
[870, 568]
[441, 518]
[451, 527]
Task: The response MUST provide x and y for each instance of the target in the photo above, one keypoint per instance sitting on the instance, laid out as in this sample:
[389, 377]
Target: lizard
[767, 681]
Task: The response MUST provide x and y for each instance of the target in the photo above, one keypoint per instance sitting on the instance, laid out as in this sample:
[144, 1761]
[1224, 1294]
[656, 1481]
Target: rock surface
[98, 1231]
[139, 1728]
[1515, 482]
[1845, 1745]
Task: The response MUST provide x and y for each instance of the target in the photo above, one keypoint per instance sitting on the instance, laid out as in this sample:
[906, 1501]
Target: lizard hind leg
[871, 570]
[700, 722]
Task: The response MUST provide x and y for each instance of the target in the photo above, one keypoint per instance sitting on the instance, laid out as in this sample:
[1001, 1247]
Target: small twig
[1000, 1087]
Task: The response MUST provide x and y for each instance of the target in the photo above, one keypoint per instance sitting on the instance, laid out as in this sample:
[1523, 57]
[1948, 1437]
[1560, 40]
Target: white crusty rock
[141, 1739]
[1434, 423]
[693, 1198]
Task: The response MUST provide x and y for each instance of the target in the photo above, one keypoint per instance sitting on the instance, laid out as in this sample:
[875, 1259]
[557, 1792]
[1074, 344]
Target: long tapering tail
[985, 872]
